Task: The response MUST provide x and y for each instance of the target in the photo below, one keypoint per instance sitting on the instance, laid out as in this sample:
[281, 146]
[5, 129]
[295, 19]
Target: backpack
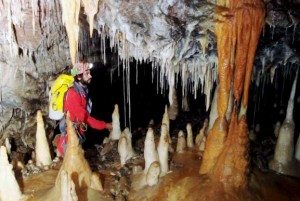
[57, 95]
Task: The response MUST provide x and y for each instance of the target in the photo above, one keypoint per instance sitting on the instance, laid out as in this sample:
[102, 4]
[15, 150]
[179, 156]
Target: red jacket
[76, 104]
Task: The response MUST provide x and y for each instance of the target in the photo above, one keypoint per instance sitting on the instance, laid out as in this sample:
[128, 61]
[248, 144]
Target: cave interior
[207, 95]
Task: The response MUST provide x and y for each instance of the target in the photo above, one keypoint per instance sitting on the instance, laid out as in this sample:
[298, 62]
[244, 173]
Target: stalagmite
[149, 178]
[284, 149]
[150, 152]
[232, 165]
[166, 119]
[173, 109]
[125, 147]
[277, 128]
[116, 131]
[17, 165]
[96, 182]
[181, 143]
[74, 161]
[128, 135]
[68, 192]
[122, 149]
[297, 151]
[162, 149]
[43, 157]
[202, 144]
[185, 103]
[76, 169]
[9, 188]
[201, 134]
[213, 114]
[214, 145]
[190, 137]
[153, 174]
[152, 170]
[7, 145]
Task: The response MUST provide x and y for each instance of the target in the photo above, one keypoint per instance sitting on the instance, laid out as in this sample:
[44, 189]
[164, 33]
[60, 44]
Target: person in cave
[79, 105]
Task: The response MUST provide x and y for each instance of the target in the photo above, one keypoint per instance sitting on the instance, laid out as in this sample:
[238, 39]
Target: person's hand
[108, 126]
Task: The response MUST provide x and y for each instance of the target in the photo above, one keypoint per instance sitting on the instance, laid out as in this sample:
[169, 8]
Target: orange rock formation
[238, 24]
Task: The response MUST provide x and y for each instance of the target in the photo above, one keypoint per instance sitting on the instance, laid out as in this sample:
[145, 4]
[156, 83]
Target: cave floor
[182, 183]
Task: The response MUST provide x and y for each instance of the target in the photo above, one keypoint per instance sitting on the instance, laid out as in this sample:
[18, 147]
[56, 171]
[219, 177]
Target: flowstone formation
[238, 26]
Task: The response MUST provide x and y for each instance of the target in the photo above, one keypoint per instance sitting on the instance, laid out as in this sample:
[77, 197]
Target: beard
[85, 82]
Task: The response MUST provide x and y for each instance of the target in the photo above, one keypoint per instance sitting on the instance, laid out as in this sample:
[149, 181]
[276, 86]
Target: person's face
[86, 76]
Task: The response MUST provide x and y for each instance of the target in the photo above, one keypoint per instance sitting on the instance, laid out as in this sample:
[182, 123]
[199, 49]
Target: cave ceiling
[176, 36]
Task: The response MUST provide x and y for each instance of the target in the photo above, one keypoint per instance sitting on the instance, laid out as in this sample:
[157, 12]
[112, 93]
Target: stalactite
[257, 18]
[173, 109]
[223, 30]
[91, 8]
[171, 80]
[70, 17]
[204, 42]
[208, 87]
[242, 45]
[34, 11]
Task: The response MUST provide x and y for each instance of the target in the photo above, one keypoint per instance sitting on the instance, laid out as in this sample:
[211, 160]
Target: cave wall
[34, 49]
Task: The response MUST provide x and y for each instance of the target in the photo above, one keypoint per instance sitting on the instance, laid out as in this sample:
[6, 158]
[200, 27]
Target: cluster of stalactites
[70, 16]
[44, 20]
[197, 73]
